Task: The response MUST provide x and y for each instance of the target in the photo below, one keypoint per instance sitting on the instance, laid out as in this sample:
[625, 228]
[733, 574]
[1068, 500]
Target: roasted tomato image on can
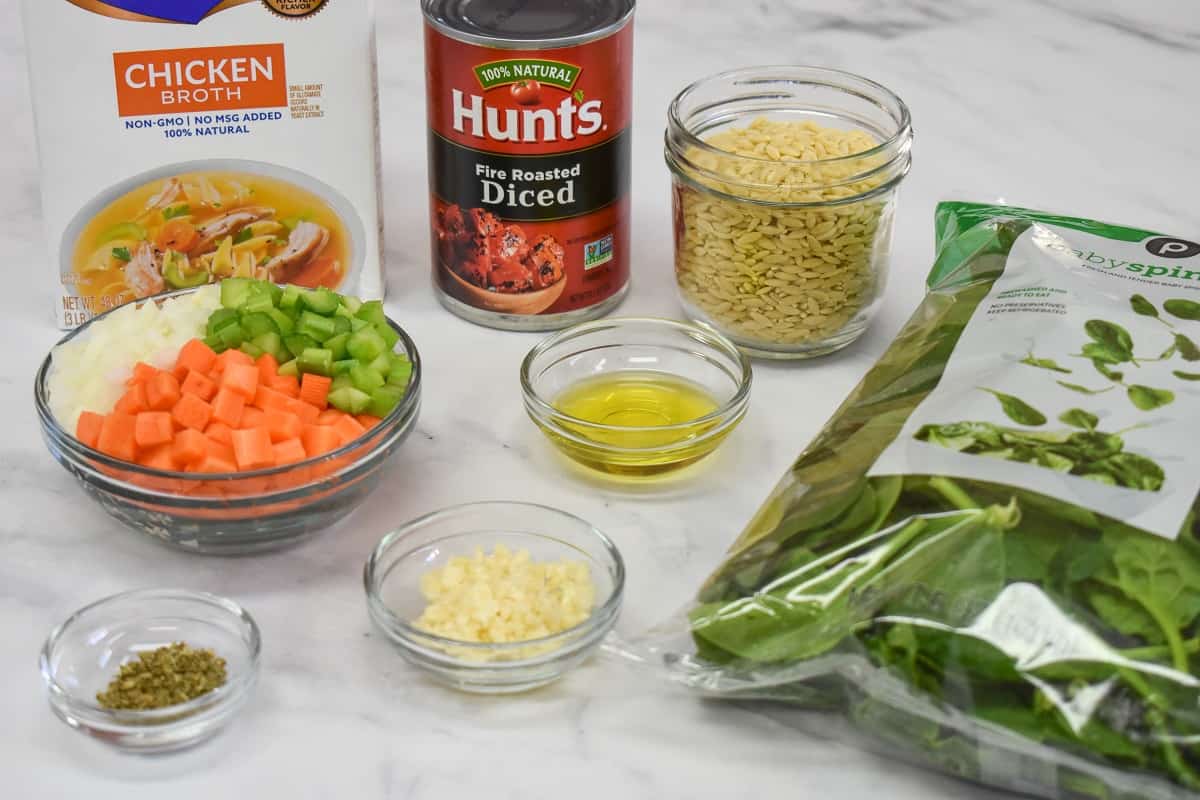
[527, 92]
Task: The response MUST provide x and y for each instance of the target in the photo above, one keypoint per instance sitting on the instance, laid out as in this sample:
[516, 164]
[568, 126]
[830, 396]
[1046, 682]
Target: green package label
[512, 70]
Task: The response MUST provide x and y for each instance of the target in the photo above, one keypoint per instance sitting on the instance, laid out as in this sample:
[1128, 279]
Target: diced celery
[231, 335]
[384, 400]
[217, 344]
[400, 373]
[343, 367]
[366, 345]
[323, 301]
[258, 323]
[285, 323]
[365, 378]
[341, 324]
[290, 298]
[251, 349]
[257, 302]
[382, 364]
[235, 292]
[343, 313]
[275, 292]
[270, 343]
[357, 324]
[390, 337]
[341, 382]
[316, 359]
[315, 326]
[290, 368]
[338, 345]
[372, 311]
[220, 318]
[297, 344]
[349, 399]
[351, 303]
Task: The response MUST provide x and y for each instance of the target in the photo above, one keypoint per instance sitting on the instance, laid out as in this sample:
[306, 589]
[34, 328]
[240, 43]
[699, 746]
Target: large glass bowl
[235, 513]
[392, 578]
[83, 654]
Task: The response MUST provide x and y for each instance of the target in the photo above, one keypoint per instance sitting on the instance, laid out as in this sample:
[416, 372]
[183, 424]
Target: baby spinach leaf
[1106, 353]
[1186, 376]
[1168, 353]
[1078, 418]
[1044, 363]
[1147, 398]
[1187, 348]
[1143, 306]
[1075, 387]
[1104, 370]
[1111, 335]
[121, 254]
[1017, 409]
[1184, 309]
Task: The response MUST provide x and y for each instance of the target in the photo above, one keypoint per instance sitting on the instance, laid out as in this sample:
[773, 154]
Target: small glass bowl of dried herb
[152, 671]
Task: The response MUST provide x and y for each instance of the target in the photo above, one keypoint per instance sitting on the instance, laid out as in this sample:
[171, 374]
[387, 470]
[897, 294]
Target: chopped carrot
[348, 428]
[368, 421]
[268, 367]
[241, 378]
[199, 384]
[219, 449]
[196, 356]
[192, 412]
[329, 416]
[230, 356]
[142, 372]
[190, 447]
[220, 432]
[282, 425]
[267, 398]
[308, 414]
[289, 451]
[153, 428]
[214, 463]
[253, 417]
[253, 449]
[314, 389]
[228, 406]
[117, 436]
[319, 439]
[157, 457]
[178, 235]
[162, 392]
[87, 429]
[133, 401]
[285, 384]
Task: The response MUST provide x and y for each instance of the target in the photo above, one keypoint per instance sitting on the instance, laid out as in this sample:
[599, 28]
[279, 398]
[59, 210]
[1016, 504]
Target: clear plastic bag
[988, 562]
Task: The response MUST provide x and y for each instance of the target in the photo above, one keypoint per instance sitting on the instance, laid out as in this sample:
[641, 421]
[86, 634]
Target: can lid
[527, 24]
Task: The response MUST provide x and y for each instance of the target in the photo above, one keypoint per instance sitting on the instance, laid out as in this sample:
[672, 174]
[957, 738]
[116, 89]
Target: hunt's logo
[540, 118]
[200, 79]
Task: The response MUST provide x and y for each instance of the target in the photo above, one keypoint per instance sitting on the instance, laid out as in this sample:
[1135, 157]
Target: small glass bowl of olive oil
[636, 397]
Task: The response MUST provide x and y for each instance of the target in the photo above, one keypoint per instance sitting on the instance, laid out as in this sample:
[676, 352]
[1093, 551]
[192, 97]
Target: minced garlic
[505, 597]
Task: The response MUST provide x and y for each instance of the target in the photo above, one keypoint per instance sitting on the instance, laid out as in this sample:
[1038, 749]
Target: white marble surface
[1072, 105]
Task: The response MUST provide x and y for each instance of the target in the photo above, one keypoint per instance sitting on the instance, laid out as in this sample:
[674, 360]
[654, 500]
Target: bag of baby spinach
[989, 559]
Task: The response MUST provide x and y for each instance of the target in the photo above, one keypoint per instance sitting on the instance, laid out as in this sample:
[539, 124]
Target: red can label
[529, 156]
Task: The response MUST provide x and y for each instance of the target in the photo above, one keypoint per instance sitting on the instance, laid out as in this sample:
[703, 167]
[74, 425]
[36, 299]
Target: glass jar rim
[838, 79]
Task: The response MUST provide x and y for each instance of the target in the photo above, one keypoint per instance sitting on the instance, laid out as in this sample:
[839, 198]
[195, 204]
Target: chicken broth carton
[184, 141]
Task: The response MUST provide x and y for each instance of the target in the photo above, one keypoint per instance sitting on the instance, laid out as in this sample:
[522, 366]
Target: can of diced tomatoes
[529, 105]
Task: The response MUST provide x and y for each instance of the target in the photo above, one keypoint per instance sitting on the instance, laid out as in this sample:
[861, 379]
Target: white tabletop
[1069, 105]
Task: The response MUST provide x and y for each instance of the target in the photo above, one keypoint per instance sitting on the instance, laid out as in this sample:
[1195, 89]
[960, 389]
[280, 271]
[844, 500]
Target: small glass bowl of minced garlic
[152, 671]
[495, 597]
[636, 399]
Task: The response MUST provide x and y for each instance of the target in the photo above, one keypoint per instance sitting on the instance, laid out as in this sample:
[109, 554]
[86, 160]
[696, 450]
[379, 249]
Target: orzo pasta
[781, 250]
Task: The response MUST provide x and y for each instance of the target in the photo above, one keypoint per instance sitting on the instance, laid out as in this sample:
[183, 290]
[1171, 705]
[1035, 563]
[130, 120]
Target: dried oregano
[164, 677]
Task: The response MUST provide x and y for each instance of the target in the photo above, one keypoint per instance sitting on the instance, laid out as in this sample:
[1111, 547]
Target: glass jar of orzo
[785, 182]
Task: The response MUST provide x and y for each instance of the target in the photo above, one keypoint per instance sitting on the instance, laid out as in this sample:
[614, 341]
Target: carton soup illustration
[187, 225]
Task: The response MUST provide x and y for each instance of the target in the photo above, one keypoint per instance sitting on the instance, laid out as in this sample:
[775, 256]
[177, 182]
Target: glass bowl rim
[411, 636]
[78, 449]
[135, 719]
[813, 76]
[731, 409]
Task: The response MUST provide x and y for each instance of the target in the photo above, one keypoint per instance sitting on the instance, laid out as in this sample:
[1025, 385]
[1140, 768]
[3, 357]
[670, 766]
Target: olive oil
[637, 422]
